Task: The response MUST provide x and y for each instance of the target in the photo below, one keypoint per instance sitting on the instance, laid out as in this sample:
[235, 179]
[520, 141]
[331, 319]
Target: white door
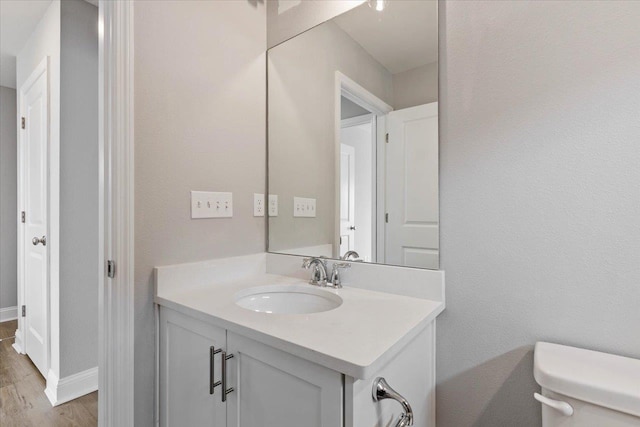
[347, 198]
[188, 370]
[33, 167]
[272, 388]
[412, 187]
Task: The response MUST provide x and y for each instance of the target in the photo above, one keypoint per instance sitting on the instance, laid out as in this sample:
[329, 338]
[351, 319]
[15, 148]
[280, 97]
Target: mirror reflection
[353, 137]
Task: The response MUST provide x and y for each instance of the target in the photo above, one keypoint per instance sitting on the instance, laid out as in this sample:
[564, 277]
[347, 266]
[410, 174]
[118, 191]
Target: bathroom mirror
[353, 137]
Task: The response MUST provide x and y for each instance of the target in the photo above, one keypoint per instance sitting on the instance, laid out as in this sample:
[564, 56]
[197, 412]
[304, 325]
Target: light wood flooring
[22, 399]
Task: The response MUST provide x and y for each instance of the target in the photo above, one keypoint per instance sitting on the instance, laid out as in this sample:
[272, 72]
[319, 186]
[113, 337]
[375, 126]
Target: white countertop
[357, 338]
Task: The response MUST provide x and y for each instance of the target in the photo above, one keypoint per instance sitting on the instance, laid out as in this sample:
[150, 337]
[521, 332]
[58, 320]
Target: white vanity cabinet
[270, 387]
[274, 388]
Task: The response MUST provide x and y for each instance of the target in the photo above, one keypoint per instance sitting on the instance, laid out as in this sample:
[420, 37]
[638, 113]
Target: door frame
[345, 86]
[116, 154]
[52, 209]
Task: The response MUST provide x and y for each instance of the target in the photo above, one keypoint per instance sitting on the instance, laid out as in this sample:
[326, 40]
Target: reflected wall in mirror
[353, 137]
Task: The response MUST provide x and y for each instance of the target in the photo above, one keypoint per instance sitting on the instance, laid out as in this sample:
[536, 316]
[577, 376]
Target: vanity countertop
[357, 338]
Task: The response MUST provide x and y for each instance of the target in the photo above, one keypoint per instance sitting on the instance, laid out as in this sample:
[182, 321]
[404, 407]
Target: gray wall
[79, 265]
[301, 127]
[8, 198]
[540, 196]
[200, 125]
[416, 86]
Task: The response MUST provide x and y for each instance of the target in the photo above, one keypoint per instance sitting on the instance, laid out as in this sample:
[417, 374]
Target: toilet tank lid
[598, 378]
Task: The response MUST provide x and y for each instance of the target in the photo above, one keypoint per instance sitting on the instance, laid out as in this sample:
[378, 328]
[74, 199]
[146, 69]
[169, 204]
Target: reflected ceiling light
[377, 4]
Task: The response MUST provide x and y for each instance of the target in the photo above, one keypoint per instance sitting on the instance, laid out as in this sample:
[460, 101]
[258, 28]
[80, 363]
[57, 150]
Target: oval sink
[287, 299]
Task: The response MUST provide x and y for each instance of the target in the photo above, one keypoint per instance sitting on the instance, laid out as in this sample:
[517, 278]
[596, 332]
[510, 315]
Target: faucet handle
[335, 275]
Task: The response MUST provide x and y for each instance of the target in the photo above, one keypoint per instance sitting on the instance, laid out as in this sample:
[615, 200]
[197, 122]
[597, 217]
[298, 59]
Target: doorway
[81, 165]
[357, 184]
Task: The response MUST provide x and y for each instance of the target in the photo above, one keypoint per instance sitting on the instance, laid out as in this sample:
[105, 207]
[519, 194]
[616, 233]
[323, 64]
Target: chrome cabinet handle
[225, 390]
[212, 380]
[563, 407]
[42, 240]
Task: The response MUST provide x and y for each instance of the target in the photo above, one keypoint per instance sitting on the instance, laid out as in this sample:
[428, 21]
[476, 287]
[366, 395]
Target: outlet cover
[273, 205]
[258, 204]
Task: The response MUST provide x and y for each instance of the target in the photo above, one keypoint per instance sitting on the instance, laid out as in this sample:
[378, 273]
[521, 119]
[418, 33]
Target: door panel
[273, 388]
[34, 142]
[185, 363]
[347, 198]
[412, 187]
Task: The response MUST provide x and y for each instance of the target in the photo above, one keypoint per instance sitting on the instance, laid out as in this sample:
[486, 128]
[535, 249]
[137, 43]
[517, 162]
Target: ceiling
[18, 18]
[401, 37]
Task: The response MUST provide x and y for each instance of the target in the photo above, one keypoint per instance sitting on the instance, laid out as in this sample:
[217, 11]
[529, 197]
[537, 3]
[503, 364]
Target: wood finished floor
[22, 399]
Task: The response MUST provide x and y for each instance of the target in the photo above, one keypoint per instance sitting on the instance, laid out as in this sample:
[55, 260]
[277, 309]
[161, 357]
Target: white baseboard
[9, 313]
[62, 390]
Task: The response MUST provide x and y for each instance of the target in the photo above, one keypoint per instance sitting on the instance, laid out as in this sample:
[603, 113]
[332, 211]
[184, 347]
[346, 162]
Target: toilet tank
[584, 388]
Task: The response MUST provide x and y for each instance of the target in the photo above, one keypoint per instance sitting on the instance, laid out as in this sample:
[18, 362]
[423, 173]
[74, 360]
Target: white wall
[200, 117]
[540, 196]
[79, 264]
[288, 18]
[416, 86]
[8, 198]
[302, 127]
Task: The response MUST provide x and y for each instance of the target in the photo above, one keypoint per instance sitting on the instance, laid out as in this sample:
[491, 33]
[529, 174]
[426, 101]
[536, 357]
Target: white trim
[116, 317]
[62, 390]
[361, 96]
[8, 313]
[356, 121]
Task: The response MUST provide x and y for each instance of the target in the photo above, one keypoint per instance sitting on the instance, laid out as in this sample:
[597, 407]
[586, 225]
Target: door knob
[42, 240]
[353, 227]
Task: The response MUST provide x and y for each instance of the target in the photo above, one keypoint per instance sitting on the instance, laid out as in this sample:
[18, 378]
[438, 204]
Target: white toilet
[586, 388]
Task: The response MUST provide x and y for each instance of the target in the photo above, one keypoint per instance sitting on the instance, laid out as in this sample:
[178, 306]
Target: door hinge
[23, 217]
[24, 123]
[386, 217]
[111, 269]
[24, 310]
[386, 138]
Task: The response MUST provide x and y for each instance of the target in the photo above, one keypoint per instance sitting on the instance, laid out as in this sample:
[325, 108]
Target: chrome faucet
[351, 255]
[335, 274]
[318, 272]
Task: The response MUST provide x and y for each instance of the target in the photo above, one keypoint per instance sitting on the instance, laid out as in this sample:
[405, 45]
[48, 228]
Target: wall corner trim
[62, 390]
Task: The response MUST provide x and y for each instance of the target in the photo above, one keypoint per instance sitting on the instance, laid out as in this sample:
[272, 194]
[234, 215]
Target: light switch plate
[258, 204]
[304, 207]
[207, 204]
[273, 205]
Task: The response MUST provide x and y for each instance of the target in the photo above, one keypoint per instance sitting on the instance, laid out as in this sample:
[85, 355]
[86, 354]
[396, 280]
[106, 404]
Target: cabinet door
[185, 363]
[273, 388]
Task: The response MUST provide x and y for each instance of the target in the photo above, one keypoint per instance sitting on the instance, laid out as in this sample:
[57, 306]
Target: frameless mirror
[353, 137]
